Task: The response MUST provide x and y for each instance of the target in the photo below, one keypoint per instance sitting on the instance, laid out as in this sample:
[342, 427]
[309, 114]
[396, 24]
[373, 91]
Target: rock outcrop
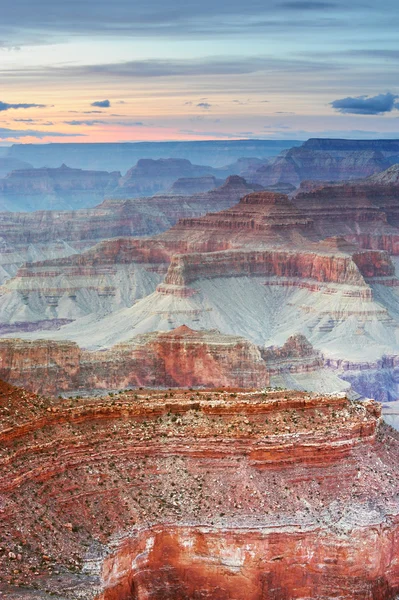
[388, 177]
[61, 188]
[172, 494]
[180, 358]
[177, 358]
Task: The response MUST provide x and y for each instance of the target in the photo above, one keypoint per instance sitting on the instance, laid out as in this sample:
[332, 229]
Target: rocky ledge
[213, 494]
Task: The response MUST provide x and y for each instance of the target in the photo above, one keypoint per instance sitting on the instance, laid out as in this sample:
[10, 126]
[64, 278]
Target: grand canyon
[199, 373]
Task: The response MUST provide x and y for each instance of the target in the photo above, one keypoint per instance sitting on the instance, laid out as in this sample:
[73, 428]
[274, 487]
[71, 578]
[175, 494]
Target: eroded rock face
[180, 358]
[179, 493]
[328, 160]
[41, 235]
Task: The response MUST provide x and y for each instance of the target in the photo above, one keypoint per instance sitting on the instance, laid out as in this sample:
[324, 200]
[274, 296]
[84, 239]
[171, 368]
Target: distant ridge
[121, 156]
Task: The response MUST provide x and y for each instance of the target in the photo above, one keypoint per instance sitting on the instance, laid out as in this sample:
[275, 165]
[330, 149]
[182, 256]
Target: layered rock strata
[327, 160]
[180, 358]
[228, 494]
[41, 235]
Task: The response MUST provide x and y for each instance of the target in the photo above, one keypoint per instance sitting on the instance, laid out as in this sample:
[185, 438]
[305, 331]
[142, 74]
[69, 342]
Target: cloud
[48, 20]
[366, 105]
[91, 122]
[21, 133]
[102, 103]
[204, 105]
[5, 106]
[88, 122]
[302, 5]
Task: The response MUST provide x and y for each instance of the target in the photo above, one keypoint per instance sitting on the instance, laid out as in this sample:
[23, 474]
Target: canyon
[265, 269]
[34, 236]
[226, 493]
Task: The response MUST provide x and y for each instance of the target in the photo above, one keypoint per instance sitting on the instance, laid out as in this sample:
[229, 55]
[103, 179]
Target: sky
[133, 70]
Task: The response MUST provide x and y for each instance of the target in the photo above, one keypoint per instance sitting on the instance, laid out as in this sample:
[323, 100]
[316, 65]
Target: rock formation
[187, 186]
[41, 235]
[169, 495]
[61, 188]
[150, 176]
[121, 156]
[327, 160]
[178, 358]
[388, 177]
[265, 269]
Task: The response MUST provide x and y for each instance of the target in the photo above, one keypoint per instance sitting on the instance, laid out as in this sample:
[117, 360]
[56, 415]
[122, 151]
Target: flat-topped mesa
[284, 265]
[185, 186]
[254, 494]
[256, 212]
[178, 358]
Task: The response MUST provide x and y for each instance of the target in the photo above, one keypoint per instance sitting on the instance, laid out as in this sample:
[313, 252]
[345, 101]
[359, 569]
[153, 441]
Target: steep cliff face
[180, 358]
[365, 214]
[297, 266]
[170, 495]
[61, 188]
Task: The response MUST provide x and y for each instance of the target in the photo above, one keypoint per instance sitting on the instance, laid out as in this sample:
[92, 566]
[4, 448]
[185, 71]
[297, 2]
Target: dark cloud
[366, 105]
[5, 106]
[102, 103]
[204, 105]
[209, 17]
[18, 133]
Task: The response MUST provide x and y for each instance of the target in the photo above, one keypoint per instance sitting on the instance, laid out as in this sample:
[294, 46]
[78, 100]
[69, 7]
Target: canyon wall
[177, 493]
